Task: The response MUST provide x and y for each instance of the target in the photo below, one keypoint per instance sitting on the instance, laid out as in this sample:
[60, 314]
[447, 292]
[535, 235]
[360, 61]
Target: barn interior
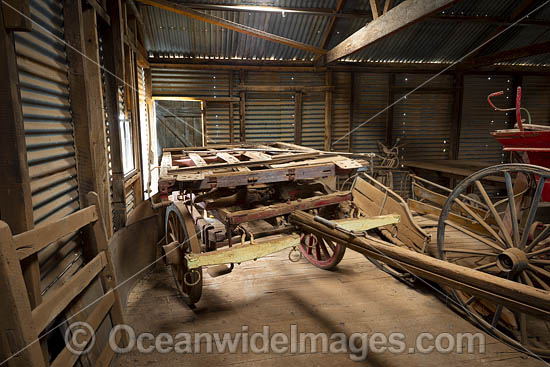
[275, 182]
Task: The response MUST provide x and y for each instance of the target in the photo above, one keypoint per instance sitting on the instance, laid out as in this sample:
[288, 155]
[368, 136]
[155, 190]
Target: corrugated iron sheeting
[174, 35]
[422, 121]
[313, 120]
[177, 35]
[370, 97]
[536, 98]
[340, 111]
[44, 88]
[193, 83]
[479, 119]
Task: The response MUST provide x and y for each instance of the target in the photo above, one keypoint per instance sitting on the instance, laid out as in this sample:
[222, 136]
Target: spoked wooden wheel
[321, 252]
[508, 237]
[189, 283]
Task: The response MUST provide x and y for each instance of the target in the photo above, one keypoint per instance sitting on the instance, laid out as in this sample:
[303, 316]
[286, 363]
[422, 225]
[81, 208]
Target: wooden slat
[259, 162]
[285, 208]
[233, 179]
[56, 302]
[257, 156]
[231, 159]
[374, 202]
[68, 358]
[198, 160]
[424, 208]
[32, 241]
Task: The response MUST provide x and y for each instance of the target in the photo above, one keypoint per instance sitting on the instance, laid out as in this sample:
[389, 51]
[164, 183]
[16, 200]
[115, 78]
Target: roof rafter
[237, 27]
[374, 9]
[387, 6]
[402, 16]
[326, 12]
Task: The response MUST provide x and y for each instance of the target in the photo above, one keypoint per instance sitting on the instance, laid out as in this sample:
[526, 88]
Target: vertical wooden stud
[114, 63]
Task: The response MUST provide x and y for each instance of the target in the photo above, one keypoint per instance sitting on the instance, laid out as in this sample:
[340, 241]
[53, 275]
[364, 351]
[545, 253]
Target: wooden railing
[20, 325]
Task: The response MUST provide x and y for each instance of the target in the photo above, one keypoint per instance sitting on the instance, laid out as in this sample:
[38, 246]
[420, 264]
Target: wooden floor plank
[357, 297]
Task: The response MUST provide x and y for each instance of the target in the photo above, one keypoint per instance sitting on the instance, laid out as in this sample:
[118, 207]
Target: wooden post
[204, 111]
[79, 85]
[151, 157]
[389, 112]
[97, 133]
[15, 190]
[328, 111]
[351, 108]
[18, 334]
[242, 109]
[298, 117]
[457, 116]
[114, 63]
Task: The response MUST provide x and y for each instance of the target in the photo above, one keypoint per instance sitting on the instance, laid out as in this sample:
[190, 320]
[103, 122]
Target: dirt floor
[355, 298]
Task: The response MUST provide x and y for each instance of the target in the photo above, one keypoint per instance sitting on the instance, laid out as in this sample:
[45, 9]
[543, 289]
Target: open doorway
[179, 122]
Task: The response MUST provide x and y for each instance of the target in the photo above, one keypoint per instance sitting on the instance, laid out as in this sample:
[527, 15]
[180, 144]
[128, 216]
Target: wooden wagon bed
[221, 166]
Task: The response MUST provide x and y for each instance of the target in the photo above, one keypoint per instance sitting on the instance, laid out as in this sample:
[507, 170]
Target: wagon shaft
[510, 294]
[269, 245]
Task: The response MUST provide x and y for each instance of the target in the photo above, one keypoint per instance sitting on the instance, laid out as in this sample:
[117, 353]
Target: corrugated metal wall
[536, 98]
[341, 95]
[193, 83]
[479, 119]
[313, 120]
[423, 120]
[217, 122]
[43, 75]
[269, 118]
[370, 94]
[47, 114]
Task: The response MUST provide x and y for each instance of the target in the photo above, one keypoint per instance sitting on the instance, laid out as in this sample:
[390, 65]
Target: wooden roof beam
[187, 11]
[401, 17]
